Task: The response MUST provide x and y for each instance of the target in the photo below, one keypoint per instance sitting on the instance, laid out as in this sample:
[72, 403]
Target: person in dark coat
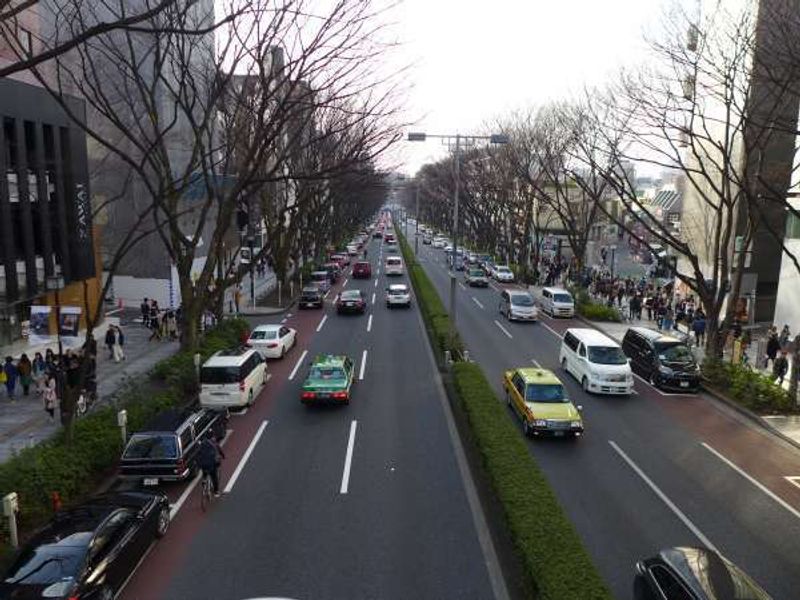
[699, 327]
[780, 367]
[773, 346]
[10, 371]
[109, 341]
[25, 372]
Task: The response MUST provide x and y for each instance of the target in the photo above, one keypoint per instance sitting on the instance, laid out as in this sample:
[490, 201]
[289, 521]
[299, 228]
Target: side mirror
[579, 407]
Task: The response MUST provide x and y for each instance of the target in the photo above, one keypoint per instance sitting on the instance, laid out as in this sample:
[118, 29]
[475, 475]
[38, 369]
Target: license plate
[309, 304]
[684, 384]
[558, 433]
[349, 304]
[150, 481]
[324, 395]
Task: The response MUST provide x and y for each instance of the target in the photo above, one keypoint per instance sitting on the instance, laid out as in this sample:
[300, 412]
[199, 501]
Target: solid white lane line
[550, 329]
[678, 512]
[348, 458]
[463, 287]
[376, 283]
[283, 320]
[245, 457]
[322, 323]
[753, 480]
[326, 294]
[503, 329]
[345, 282]
[373, 296]
[476, 301]
[369, 324]
[297, 365]
[647, 383]
[363, 365]
[536, 363]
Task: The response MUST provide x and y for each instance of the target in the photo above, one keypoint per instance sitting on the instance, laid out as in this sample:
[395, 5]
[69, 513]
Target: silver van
[557, 302]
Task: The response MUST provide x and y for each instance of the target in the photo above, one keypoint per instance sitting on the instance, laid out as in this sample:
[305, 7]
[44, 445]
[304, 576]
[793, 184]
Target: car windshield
[327, 373]
[46, 565]
[545, 393]
[398, 291]
[521, 300]
[351, 295]
[268, 334]
[219, 375]
[566, 298]
[674, 353]
[607, 355]
[319, 276]
[502, 269]
[151, 446]
[476, 273]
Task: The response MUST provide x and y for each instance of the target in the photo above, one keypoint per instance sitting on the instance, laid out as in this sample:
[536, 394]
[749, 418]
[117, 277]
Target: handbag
[3, 376]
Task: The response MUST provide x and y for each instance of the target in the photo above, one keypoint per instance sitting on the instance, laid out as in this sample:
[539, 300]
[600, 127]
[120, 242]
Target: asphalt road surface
[653, 470]
[361, 501]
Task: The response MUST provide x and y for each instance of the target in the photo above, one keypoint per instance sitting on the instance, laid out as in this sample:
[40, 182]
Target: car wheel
[585, 384]
[508, 398]
[526, 428]
[162, 522]
[105, 593]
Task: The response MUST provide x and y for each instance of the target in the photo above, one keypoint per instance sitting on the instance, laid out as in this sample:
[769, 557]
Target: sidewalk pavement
[24, 422]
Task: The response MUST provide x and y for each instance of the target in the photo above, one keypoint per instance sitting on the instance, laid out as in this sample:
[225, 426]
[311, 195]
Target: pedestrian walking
[773, 346]
[237, 298]
[10, 373]
[155, 327]
[110, 341]
[39, 371]
[145, 308]
[25, 371]
[119, 342]
[668, 320]
[780, 367]
[785, 336]
[50, 395]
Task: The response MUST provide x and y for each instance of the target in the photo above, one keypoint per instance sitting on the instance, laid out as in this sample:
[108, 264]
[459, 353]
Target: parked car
[311, 297]
[540, 400]
[427, 240]
[352, 250]
[232, 378]
[377, 234]
[686, 573]
[362, 270]
[503, 273]
[272, 341]
[341, 258]
[351, 301]
[663, 360]
[322, 280]
[488, 268]
[439, 243]
[557, 302]
[518, 306]
[398, 294]
[330, 379]
[88, 551]
[334, 271]
[476, 278]
[165, 449]
[596, 361]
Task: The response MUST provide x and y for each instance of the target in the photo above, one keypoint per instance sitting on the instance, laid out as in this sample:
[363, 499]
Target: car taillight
[339, 395]
[180, 466]
[308, 395]
[241, 386]
[272, 345]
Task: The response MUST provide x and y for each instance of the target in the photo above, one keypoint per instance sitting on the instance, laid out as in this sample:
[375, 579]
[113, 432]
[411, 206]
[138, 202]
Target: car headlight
[540, 423]
[575, 424]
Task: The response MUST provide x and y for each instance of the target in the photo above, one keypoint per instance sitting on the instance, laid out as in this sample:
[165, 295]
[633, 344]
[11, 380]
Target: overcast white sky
[476, 60]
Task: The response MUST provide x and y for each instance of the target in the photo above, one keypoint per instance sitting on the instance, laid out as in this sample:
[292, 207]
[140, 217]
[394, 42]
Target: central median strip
[555, 562]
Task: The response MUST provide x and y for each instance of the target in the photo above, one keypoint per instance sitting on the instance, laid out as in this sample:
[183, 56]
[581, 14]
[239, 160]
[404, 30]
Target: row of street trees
[717, 104]
[201, 110]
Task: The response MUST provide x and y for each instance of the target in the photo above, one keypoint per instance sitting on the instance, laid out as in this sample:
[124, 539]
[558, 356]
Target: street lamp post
[469, 140]
[416, 232]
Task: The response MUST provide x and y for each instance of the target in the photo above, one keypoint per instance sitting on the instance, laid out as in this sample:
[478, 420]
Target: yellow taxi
[540, 401]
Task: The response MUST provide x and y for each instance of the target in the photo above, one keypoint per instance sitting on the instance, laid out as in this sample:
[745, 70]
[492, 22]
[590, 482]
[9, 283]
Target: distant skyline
[472, 65]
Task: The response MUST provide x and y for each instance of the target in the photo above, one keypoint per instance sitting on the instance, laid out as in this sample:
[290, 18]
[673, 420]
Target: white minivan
[393, 265]
[557, 302]
[232, 378]
[596, 361]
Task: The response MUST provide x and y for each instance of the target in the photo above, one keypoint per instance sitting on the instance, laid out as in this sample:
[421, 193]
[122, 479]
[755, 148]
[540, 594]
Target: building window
[792, 227]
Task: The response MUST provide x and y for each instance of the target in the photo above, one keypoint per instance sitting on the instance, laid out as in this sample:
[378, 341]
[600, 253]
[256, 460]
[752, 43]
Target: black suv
[166, 449]
[665, 361]
[310, 297]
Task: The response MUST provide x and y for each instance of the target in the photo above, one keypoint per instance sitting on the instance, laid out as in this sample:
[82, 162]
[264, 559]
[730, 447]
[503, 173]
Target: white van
[557, 302]
[232, 378]
[596, 361]
[393, 265]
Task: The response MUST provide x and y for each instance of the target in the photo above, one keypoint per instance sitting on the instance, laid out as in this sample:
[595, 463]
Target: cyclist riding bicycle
[209, 458]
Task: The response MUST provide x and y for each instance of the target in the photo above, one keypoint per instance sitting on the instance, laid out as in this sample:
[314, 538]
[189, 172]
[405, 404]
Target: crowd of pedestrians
[163, 323]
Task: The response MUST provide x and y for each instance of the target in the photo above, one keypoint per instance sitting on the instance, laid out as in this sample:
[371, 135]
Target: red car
[362, 270]
[340, 258]
[351, 301]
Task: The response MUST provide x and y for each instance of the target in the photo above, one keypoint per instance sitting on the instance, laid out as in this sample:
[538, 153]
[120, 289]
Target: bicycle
[206, 491]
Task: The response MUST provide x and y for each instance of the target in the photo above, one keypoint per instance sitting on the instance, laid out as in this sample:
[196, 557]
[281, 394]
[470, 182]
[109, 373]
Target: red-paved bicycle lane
[165, 557]
[764, 457]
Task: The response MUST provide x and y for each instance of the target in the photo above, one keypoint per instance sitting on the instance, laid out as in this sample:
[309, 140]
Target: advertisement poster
[69, 322]
[39, 328]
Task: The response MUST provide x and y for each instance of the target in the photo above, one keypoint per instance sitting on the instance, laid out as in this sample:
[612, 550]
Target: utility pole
[416, 232]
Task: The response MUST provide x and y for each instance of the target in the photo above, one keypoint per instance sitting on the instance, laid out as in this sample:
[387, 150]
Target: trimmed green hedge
[550, 548]
[751, 389]
[436, 317]
[75, 470]
[594, 311]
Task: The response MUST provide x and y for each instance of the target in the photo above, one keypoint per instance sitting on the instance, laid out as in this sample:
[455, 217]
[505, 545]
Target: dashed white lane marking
[326, 294]
[283, 320]
[297, 365]
[345, 282]
[373, 296]
[476, 301]
[348, 458]
[671, 505]
[793, 479]
[753, 480]
[503, 329]
[536, 363]
[245, 457]
[376, 283]
[463, 287]
[550, 329]
[363, 366]
[369, 324]
[322, 323]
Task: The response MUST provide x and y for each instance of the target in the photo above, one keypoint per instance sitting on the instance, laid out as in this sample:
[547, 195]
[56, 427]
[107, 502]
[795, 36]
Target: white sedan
[272, 341]
[398, 294]
[503, 273]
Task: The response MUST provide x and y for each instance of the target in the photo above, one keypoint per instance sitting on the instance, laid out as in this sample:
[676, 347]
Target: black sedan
[693, 574]
[351, 301]
[311, 297]
[88, 551]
